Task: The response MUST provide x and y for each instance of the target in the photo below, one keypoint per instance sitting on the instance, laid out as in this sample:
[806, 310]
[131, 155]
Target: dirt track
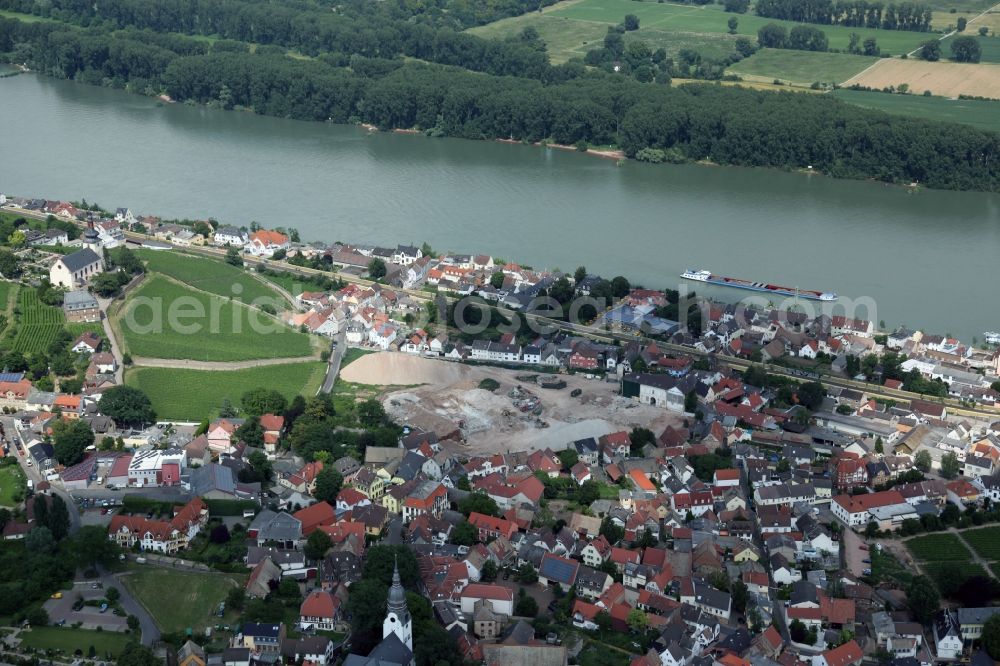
[449, 399]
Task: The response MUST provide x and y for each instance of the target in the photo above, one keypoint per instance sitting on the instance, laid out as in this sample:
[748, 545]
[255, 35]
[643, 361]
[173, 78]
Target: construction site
[482, 409]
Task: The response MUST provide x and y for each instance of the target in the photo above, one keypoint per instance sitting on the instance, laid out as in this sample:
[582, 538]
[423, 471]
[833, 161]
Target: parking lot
[61, 610]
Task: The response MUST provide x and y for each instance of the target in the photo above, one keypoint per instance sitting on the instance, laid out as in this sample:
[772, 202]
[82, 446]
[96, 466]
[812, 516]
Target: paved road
[32, 473]
[337, 355]
[150, 632]
[109, 334]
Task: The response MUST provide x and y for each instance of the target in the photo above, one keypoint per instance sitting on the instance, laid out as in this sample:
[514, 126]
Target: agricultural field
[164, 319]
[180, 600]
[938, 547]
[11, 482]
[985, 541]
[947, 79]
[191, 395]
[978, 113]
[210, 275]
[802, 67]
[990, 19]
[711, 19]
[69, 640]
[38, 324]
[990, 46]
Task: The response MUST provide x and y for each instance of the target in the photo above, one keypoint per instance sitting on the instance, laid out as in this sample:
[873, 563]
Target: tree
[922, 460]
[37, 617]
[568, 457]
[250, 433]
[772, 36]
[91, 546]
[328, 484]
[950, 465]
[464, 534]
[931, 50]
[922, 598]
[10, 267]
[260, 466]
[871, 529]
[526, 606]
[589, 492]
[371, 413]
[133, 623]
[71, 440]
[966, 49]
[733, 23]
[106, 284]
[136, 654]
[797, 630]
[40, 541]
[376, 269]
[811, 395]
[317, 544]
[58, 521]
[871, 47]
[489, 571]
[260, 401]
[496, 280]
[736, 6]
[620, 286]
[879, 445]
[127, 406]
[991, 636]
[580, 274]
[112, 594]
[740, 594]
[961, 23]
[637, 620]
[691, 402]
[236, 598]
[233, 257]
[381, 559]
[219, 534]
[631, 22]
[526, 574]
[480, 503]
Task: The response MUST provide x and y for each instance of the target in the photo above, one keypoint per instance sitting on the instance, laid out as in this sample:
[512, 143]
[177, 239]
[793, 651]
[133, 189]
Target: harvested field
[948, 79]
[450, 402]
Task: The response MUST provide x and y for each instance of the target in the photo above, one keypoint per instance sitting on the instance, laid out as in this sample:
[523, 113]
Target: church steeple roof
[397, 595]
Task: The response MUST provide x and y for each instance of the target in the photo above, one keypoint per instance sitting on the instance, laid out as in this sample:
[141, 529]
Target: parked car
[57, 595]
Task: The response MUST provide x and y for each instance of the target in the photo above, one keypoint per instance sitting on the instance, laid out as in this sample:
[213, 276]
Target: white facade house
[230, 236]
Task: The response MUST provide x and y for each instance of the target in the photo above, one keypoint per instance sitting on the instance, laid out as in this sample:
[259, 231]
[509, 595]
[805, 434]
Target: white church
[396, 648]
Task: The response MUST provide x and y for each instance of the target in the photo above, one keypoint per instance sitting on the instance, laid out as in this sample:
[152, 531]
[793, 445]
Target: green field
[978, 113]
[985, 541]
[712, 19]
[966, 569]
[196, 394]
[939, 547]
[11, 481]
[164, 319]
[989, 45]
[353, 354]
[69, 640]
[27, 18]
[211, 275]
[802, 67]
[38, 324]
[180, 600]
[78, 329]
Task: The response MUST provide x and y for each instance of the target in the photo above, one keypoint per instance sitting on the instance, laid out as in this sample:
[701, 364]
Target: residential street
[336, 356]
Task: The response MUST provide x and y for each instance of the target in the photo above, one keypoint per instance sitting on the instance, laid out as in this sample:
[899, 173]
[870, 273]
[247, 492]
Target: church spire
[397, 595]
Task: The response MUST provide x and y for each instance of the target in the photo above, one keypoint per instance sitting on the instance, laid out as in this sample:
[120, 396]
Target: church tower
[397, 619]
[91, 240]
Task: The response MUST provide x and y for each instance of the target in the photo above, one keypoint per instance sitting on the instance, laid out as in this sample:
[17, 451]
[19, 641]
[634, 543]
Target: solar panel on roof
[558, 569]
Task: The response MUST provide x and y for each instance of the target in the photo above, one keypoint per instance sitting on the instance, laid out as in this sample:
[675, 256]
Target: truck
[31, 485]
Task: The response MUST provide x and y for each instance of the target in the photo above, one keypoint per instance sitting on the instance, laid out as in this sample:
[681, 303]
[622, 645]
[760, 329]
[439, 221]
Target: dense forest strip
[726, 125]
[914, 16]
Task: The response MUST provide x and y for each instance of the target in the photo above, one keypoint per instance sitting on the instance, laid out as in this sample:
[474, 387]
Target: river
[925, 259]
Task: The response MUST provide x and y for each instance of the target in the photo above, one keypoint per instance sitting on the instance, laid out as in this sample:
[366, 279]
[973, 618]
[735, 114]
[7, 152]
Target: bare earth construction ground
[450, 399]
[948, 79]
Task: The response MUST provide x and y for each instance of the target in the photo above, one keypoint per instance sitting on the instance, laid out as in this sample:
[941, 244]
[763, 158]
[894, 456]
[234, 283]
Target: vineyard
[38, 324]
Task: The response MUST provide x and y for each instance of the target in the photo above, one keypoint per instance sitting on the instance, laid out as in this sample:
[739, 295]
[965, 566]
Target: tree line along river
[924, 258]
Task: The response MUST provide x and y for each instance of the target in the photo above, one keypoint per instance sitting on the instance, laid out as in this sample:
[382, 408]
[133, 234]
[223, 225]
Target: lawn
[78, 329]
[26, 18]
[196, 394]
[38, 324]
[352, 355]
[978, 113]
[69, 640]
[985, 541]
[802, 67]
[940, 547]
[11, 481]
[989, 45]
[211, 275]
[164, 319]
[712, 19]
[179, 600]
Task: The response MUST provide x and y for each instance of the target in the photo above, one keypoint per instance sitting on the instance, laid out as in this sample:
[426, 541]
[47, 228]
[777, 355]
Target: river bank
[548, 208]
